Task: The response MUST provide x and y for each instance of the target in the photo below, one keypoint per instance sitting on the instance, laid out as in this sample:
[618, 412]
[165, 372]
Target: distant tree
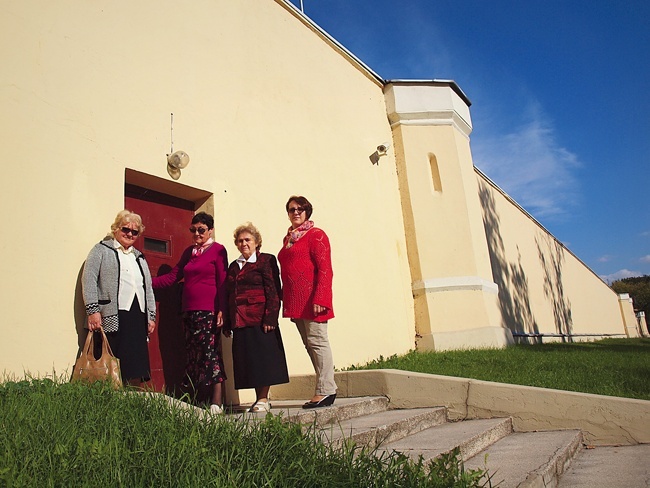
[639, 289]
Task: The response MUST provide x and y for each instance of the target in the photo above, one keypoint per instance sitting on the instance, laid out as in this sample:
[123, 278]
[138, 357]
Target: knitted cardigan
[306, 269]
[101, 284]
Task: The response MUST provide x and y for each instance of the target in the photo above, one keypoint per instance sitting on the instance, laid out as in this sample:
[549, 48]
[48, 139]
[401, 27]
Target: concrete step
[513, 459]
[528, 459]
[342, 410]
[609, 467]
[471, 436]
[382, 427]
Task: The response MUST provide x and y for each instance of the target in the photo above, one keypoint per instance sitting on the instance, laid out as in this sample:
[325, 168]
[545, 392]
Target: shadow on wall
[510, 277]
[80, 317]
[551, 258]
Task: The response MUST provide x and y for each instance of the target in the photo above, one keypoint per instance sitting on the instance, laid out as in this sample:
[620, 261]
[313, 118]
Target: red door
[166, 220]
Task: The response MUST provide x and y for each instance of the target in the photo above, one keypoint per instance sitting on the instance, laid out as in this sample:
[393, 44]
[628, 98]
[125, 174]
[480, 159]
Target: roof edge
[439, 82]
[296, 12]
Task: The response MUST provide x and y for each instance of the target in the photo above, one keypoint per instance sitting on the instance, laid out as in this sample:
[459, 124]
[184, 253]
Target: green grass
[56, 434]
[616, 367]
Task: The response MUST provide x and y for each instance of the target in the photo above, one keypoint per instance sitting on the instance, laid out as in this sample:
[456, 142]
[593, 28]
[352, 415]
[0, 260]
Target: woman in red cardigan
[305, 261]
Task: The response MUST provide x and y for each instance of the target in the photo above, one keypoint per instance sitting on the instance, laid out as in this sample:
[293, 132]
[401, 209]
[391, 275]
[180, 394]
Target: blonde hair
[252, 230]
[126, 217]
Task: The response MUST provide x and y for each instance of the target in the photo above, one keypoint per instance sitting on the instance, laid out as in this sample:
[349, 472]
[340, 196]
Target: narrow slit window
[435, 173]
[156, 245]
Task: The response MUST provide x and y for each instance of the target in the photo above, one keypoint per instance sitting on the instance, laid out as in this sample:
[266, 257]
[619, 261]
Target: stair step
[471, 436]
[382, 427]
[528, 459]
[345, 409]
[621, 466]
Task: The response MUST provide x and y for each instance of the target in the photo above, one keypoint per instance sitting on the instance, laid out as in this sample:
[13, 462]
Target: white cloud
[604, 259]
[530, 166]
[645, 259]
[620, 274]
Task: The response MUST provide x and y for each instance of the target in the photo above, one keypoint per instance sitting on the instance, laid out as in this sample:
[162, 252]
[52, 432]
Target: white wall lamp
[178, 160]
[382, 150]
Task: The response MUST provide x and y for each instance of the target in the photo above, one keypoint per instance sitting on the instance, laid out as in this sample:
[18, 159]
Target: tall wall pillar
[456, 301]
[632, 327]
[643, 325]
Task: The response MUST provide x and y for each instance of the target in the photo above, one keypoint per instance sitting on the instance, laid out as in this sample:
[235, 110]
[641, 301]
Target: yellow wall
[257, 96]
[543, 287]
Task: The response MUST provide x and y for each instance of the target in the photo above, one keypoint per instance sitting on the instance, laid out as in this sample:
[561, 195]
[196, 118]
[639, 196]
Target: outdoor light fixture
[178, 160]
[382, 150]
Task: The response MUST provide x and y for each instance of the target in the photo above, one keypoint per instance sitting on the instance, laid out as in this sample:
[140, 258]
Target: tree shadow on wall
[551, 258]
[510, 277]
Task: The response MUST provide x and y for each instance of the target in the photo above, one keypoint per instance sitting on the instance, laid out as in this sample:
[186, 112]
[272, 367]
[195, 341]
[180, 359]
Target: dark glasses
[296, 209]
[200, 230]
[127, 231]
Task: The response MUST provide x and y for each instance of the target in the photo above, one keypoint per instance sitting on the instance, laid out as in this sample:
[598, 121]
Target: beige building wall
[425, 250]
[543, 287]
[264, 105]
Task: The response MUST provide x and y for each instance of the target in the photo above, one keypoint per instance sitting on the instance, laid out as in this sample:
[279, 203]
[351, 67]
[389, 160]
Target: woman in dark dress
[253, 286]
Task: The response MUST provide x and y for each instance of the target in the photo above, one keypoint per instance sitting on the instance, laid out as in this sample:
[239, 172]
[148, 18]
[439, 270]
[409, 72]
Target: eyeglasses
[200, 230]
[296, 209]
[128, 231]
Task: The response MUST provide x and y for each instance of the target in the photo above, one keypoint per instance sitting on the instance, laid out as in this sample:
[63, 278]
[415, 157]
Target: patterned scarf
[294, 234]
[198, 250]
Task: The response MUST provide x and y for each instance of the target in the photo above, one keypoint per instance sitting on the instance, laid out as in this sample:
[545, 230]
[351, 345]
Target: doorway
[166, 219]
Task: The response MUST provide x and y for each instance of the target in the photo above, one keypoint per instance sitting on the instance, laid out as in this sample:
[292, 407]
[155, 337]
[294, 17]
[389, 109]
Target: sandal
[260, 406]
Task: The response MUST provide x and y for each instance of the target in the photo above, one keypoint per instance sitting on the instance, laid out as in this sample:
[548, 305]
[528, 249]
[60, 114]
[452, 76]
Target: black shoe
[323, 402]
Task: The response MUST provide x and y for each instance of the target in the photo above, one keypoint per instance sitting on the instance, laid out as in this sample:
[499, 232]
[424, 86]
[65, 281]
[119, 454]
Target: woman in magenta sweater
[306, 269]
[203, 267]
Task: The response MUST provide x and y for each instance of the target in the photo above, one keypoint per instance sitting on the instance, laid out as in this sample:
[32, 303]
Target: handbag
[106, 368]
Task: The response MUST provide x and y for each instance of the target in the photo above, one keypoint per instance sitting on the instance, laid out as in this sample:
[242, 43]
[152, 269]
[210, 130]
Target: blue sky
[560, 103]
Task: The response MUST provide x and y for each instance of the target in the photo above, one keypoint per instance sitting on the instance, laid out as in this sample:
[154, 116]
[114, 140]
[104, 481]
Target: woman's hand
[151, 327]
[319, 309]
[94, 321]
[220, 319]
[267, 328]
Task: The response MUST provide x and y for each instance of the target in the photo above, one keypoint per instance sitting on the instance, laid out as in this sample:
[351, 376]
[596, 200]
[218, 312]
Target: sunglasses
[128, 231]
[200, 230]
[296, 209]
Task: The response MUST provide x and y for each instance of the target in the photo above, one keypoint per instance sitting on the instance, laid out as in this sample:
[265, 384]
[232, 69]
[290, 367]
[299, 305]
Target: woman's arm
[320, 253]
[174, 275]
[272, 291]
[221, 271]
[149, 296]
[89, 282]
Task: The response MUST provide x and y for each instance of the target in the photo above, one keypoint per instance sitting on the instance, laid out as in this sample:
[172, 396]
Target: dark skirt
[258, 358]
[129, 343]
[202, 340]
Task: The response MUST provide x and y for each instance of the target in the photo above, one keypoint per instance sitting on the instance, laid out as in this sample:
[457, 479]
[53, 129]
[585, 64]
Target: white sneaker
[216, 409]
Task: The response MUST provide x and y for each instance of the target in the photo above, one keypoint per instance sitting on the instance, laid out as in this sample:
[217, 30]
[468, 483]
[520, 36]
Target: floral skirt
[204, 365]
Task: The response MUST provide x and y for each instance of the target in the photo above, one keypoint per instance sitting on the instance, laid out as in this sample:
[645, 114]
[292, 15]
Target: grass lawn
[73, 435]
[616, 367]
